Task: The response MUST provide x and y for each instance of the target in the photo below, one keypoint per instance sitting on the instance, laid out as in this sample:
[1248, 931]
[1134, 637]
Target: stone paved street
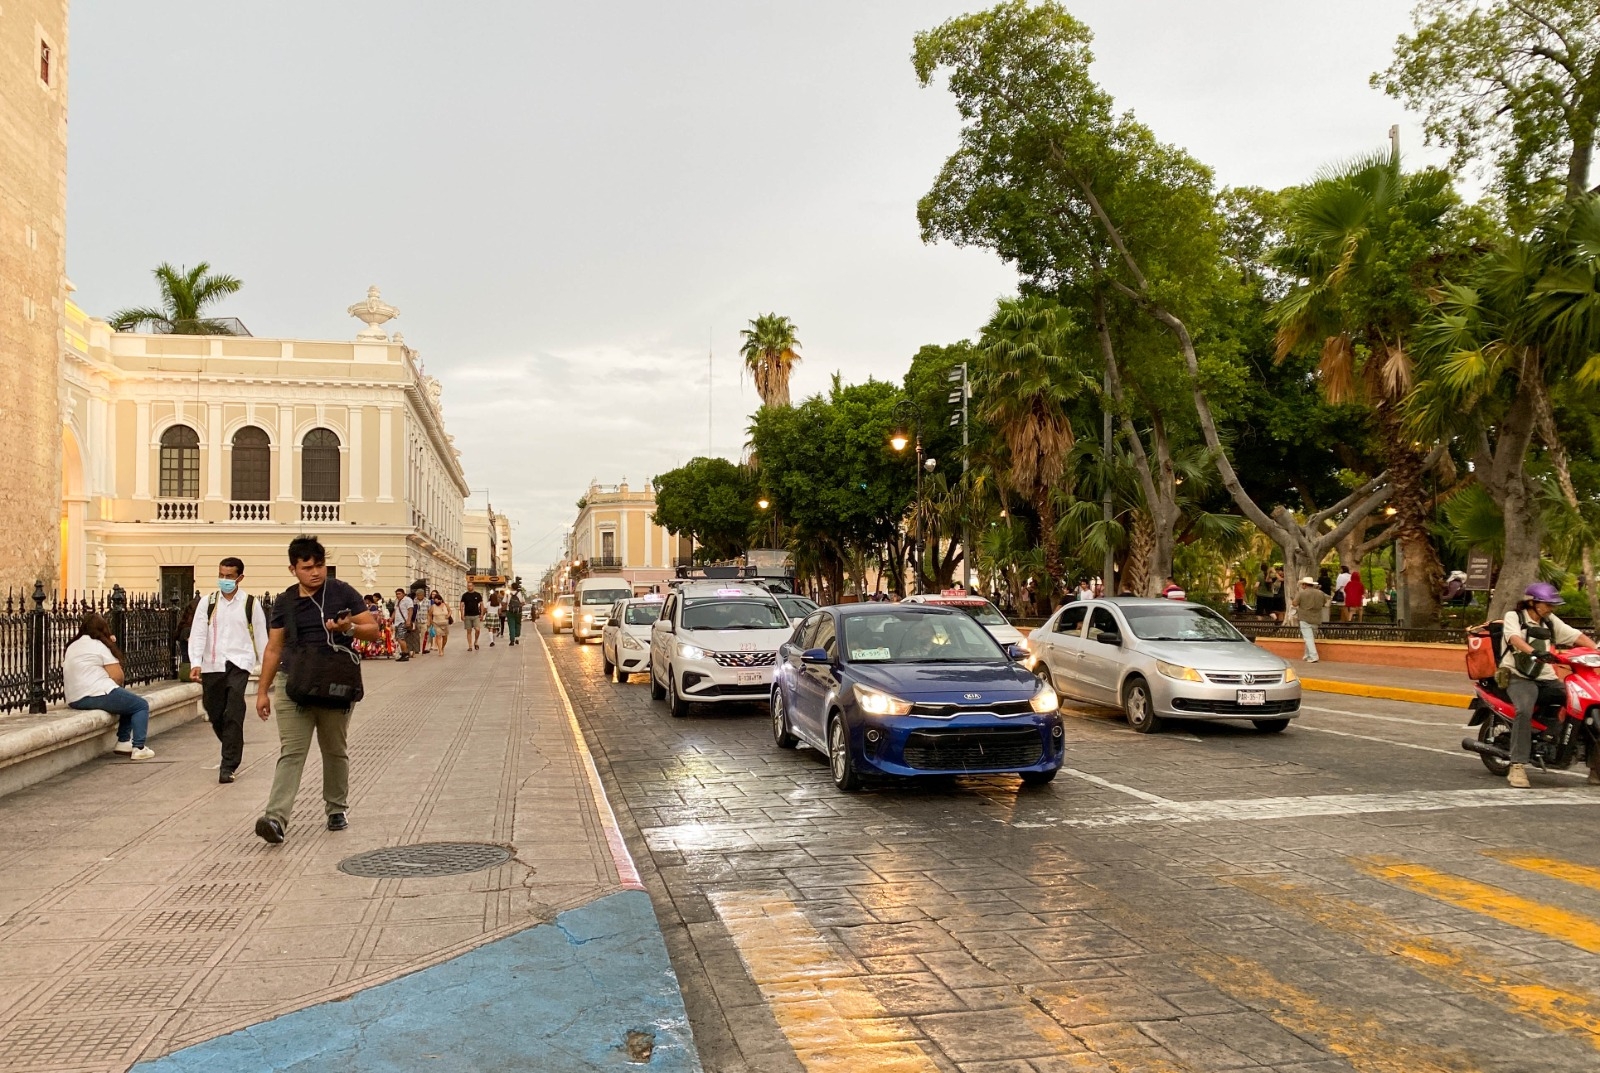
[1353, 894]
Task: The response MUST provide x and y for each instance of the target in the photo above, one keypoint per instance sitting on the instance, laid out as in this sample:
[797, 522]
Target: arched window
[252, 466]
[319, 467]
[180, 463]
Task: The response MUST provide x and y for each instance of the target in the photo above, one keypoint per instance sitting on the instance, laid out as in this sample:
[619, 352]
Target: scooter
[1561, 735]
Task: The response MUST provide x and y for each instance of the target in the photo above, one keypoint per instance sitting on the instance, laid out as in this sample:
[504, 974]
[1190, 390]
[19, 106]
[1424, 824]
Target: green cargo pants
[296, 722]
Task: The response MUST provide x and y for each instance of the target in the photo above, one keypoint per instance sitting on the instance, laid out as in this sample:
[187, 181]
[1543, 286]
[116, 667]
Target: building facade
[488, 547]
[614, 535]
[33, 283]
[179, 450]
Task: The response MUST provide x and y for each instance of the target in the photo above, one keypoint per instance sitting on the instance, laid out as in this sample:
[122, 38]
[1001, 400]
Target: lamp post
[962, 393]
[907, 409]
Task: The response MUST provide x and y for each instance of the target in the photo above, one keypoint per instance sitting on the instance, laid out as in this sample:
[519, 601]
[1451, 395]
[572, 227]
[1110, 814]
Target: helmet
[1543, 592]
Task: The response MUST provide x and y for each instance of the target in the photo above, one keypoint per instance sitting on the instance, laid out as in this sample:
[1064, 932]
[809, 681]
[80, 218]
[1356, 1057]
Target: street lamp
[904, 410]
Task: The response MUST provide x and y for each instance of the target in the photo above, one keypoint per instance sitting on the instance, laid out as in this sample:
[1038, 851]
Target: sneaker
[224, 775]
[142, 754]
[269, 830]
[124, 747]
[337, 822]
[1517, 776]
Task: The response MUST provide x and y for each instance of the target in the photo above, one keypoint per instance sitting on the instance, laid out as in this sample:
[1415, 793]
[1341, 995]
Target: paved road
[1204, 899]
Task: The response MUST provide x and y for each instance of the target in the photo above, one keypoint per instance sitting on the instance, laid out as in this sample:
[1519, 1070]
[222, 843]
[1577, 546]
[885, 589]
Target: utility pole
[1109, 566]
[958, 376]
[710, 351]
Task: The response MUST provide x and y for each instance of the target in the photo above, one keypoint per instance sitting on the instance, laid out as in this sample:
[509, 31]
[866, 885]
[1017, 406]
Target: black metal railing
[36, 629]
[1358, 631]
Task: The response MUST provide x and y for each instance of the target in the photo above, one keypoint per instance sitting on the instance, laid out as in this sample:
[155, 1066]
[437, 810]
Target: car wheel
[781, 734]
[1271, 726]
[606, 666]
[680, 707]
[1039, 778]
[621, 675]
[841, 763]
[1041, 671]
[656, 692]
[1140, 707]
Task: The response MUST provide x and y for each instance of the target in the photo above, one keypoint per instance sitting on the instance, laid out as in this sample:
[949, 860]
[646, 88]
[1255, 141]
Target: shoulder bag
[321, 674]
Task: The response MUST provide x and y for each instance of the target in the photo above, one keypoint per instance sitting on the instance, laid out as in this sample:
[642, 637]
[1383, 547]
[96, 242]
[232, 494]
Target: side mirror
[1017, 653]
[815, 655]
[1109, 637]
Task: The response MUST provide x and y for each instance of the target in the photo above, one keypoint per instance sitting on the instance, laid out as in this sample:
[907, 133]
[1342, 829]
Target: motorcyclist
[1531, 628]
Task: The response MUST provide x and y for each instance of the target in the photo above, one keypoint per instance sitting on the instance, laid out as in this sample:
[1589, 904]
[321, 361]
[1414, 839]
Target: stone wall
[33, 206]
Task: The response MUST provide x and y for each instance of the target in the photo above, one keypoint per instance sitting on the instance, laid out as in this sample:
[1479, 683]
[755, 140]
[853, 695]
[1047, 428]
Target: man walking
[471, 612]
[311, 617]
[1308, 605]
[405, 613]
[514, 617]
[225, 644]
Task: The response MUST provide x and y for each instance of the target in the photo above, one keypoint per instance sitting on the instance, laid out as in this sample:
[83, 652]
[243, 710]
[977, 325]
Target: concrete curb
[1361, 689]
[37, 747]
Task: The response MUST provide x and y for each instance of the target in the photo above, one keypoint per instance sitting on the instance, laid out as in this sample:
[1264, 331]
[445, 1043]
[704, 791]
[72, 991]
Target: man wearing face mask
[225, 646]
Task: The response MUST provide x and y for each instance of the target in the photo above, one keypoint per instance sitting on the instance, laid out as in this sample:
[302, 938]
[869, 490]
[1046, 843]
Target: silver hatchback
[1158, 659]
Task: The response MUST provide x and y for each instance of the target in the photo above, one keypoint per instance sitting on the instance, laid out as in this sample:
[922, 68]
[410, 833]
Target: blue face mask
[227, 585]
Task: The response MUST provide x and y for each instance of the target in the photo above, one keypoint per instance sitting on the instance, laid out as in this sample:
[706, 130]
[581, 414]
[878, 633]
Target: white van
[591, 605]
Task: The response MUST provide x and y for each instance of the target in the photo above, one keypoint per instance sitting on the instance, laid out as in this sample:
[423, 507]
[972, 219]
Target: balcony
[247, 511]
[605, 562]
[177, 510]
[319, 512]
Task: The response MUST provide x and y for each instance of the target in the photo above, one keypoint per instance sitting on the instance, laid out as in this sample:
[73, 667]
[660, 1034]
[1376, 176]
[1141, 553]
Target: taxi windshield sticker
[869, 653]
[730, 592]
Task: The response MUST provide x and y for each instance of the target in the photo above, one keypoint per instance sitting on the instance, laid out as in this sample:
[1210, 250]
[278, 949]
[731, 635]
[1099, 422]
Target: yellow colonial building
[614, 535]
[179, 450]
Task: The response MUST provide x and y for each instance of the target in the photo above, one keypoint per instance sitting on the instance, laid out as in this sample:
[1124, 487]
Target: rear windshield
[605, 596]
[641, 614]
[982, 610]
[725, 614]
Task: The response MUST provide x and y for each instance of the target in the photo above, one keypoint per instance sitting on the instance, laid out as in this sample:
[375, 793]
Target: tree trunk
[1141, 544]
[1502, 470]
[1423, 573]
[1558, 459]
[1051, 583]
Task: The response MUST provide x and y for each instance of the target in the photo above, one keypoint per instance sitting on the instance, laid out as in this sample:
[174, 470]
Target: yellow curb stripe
[1565, 1010]
[832, 1020]
[1493, 902]
[1361, 689]
[1581, 874]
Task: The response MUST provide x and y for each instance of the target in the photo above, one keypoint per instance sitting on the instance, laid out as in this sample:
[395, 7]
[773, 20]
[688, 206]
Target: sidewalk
[1420, 685]
[140, 917]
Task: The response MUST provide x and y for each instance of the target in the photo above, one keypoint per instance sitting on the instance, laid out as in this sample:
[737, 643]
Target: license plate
[1252, 697]
[748, 678]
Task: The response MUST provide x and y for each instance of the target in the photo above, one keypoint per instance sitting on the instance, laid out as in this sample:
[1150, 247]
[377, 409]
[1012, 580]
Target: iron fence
[1358, 631]
[36, 629]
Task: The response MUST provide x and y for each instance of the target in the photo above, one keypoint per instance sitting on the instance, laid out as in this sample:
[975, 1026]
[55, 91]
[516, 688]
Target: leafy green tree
[185, 295]
[950, 506]
[770, 349]
[1516, 82]
[711, 500]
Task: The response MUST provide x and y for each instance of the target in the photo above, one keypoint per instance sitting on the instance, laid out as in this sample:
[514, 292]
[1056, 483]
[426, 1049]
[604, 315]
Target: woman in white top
[92, 673]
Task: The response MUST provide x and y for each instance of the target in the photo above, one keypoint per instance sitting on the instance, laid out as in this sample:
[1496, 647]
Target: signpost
[1480, 571]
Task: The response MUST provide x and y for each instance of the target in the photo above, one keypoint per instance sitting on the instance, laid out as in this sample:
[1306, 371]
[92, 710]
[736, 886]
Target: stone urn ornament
[373, 311]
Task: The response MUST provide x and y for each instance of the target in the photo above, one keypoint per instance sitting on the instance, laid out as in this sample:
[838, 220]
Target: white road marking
[1117, 786]
[1383, 718]
[1462, 753]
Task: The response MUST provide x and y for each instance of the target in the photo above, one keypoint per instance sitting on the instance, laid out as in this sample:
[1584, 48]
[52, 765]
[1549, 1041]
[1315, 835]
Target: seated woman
[92, 672]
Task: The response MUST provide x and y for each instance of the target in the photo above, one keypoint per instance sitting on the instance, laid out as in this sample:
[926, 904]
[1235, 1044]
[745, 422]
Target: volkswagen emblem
[1248, 679]
[972, 696]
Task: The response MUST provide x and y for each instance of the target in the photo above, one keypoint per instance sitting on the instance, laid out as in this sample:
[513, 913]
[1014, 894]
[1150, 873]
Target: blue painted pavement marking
[560, 997]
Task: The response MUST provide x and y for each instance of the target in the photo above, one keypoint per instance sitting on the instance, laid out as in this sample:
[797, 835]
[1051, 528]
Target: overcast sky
[572, 203]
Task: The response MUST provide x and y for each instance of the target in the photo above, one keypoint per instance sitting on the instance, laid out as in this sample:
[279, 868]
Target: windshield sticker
[869, 653]
[731, 592]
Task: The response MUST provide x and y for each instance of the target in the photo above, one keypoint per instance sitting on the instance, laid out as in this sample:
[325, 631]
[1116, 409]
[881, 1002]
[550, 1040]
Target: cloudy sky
[573, 204]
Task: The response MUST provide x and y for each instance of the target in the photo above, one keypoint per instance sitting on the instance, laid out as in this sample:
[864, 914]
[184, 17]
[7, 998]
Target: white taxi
[625, 640]
[715, 641]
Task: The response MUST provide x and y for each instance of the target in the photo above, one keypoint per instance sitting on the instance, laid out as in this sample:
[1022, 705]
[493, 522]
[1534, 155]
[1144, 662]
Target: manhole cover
[425, 859]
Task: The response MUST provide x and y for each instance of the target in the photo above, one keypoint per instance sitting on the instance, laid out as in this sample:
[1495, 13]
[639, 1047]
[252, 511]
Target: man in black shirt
[326, 611]
[471, 608]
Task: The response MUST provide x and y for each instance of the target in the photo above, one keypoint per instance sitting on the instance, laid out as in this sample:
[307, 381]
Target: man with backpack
[226, 640]
[311, 656]
[1527, 677]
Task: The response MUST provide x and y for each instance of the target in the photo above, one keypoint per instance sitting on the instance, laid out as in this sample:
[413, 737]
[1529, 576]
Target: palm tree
[1358, 236]
[185, 293]
[1025, 384]
[770, 350]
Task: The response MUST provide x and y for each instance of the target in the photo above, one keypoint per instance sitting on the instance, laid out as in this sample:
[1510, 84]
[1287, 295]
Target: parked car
[625, 641]
[907, 689]
[1158, 658]
[715, 641]
[592, 605]
[985, 613]
[795, 607]
[561, 613]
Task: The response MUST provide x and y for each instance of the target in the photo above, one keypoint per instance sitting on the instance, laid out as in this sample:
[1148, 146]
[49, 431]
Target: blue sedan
[912, 689]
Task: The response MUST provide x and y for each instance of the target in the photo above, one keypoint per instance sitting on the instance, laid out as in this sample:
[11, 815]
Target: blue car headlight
[1045, 700]
[877, 702]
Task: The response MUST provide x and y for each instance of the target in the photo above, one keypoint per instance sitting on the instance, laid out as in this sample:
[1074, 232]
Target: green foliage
[185, 294]
[710, 499]
[770, 349]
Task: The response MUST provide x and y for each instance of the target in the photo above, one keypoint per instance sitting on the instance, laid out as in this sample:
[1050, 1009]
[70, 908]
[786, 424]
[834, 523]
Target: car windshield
[910, 637]
[796, 606]
[725, 614]
[1179, 623]
[982, 610]
[641, 614]
[605, 596]
[564, 601]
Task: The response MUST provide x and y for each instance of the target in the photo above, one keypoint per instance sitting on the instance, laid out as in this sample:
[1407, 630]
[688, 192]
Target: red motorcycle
[1561, 734]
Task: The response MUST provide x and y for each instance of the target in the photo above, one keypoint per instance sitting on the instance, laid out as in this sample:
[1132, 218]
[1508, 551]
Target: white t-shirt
[1560, 634]
[83, 669]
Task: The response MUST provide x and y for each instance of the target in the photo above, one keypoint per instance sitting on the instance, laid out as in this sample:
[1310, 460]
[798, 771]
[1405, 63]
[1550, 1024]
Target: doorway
[177, 585]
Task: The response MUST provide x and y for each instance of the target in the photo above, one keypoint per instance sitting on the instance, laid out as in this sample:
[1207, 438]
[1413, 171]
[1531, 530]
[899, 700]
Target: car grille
[987, 749]
[950, 711]
[745, 659]
[730, 691]
[1233, 707]
[1244, 678]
